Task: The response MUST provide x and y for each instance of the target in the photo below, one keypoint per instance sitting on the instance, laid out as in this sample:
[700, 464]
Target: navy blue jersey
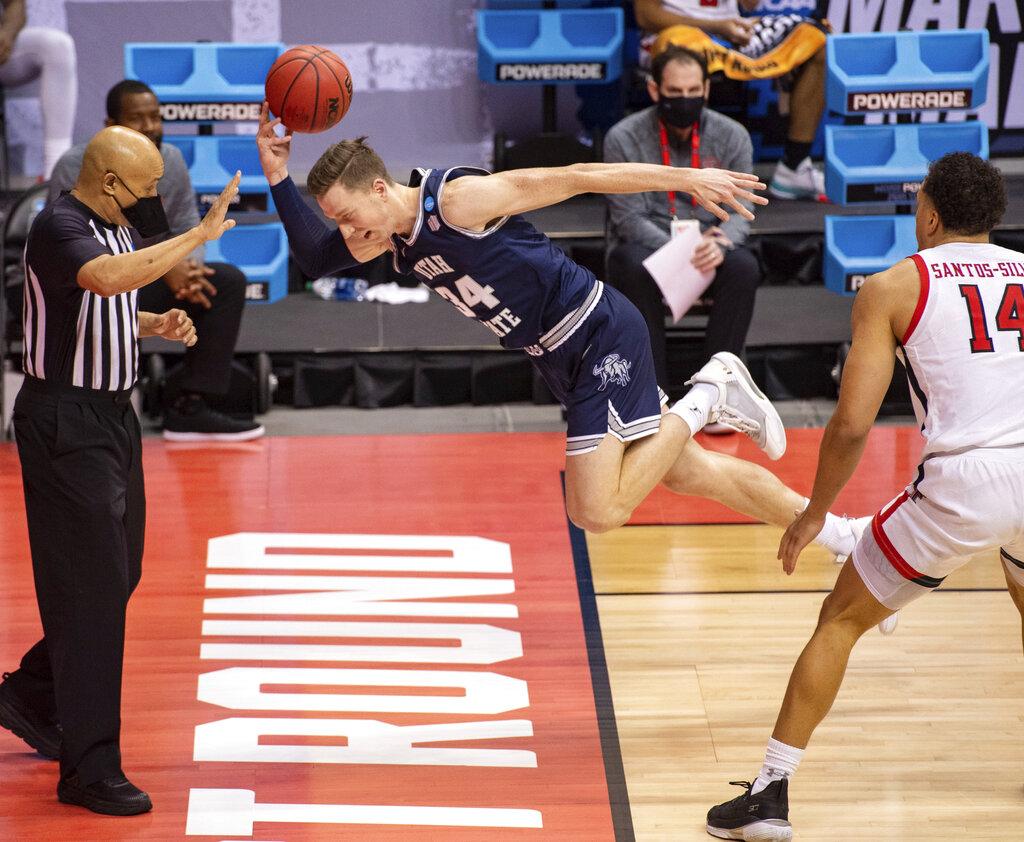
[509, 276]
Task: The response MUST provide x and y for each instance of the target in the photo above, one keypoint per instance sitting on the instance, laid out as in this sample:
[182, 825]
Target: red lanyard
[667, 161]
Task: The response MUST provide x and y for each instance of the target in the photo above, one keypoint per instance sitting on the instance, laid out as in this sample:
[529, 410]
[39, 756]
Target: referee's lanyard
[667, 160]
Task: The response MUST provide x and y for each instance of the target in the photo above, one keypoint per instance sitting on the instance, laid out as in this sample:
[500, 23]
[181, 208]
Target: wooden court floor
[698, 624]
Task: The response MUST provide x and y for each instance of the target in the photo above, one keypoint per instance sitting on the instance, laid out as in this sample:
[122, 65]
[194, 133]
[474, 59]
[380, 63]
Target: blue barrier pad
[858, 246]
[888, 163]
[226, 75]
[212, 161]
[261, 251]
[906, 71]
[570, 46]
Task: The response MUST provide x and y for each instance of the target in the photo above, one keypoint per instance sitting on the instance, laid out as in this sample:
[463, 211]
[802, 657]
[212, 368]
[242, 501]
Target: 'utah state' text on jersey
[509, 276]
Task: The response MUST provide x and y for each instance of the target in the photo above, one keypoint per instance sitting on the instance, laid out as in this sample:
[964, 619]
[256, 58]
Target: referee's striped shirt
[74, 336]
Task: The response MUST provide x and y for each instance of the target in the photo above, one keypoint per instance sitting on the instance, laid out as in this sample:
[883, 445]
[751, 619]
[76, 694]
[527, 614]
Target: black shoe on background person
[190, 418]
[113, 796]
[19, 717]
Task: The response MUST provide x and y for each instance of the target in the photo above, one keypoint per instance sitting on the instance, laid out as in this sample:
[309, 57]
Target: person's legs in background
[627, 274]
[207, 363]
[732, 294]
[49, 55]
[795, 176]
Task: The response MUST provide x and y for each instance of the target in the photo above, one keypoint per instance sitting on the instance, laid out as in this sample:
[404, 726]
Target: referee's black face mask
[147, 215]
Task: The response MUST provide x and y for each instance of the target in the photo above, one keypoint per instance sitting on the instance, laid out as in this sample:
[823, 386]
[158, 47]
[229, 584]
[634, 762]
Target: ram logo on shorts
[613, 369]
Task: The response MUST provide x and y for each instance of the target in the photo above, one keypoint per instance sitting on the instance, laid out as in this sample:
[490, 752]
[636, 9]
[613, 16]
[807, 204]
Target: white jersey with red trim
[964, 348]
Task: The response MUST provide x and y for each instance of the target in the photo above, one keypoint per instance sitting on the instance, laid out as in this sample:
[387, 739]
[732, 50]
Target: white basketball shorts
[959, 506]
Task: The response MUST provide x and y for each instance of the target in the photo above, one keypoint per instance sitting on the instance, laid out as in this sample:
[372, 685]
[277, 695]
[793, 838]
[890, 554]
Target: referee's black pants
[81, 464]
[208, 362]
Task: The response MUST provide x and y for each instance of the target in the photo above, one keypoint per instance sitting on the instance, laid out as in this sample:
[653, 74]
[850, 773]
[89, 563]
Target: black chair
[13, 236]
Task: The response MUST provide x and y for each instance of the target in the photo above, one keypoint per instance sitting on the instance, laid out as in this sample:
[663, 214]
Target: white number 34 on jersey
[471, 294]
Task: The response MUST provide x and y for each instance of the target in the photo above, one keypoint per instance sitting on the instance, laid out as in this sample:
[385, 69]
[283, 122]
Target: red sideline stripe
[922, 297]
[891, 553]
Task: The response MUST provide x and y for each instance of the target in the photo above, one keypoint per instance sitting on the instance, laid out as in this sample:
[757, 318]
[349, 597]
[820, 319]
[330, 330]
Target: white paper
[673, 271]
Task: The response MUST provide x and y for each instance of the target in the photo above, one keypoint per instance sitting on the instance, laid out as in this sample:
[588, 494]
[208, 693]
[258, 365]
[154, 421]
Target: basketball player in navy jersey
[459, 232]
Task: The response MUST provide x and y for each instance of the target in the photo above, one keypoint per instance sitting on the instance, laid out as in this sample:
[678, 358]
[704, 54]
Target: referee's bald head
[125, 152]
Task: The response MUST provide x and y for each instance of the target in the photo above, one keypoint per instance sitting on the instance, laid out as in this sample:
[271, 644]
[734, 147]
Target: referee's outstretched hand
[214, 224]
[174, 325]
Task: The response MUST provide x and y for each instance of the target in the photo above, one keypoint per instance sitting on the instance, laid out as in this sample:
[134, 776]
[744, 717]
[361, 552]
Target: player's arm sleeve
[319, 250]
[740, 159]
[628, 211]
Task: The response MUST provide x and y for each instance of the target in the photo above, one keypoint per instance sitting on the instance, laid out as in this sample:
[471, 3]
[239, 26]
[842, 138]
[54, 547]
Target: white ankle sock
[695, 406]
[780, 761]
[833, 535]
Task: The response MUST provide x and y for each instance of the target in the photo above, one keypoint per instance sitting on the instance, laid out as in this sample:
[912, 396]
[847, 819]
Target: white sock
[835, 534]
[780, 761]
[695, 406]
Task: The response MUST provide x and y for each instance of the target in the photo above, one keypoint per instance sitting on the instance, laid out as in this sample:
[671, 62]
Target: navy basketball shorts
[603, 374]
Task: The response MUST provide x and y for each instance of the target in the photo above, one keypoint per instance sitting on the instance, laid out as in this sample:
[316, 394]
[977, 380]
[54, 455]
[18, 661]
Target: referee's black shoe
[18, 717]
[190, 418]
[754, 818]
[113, 796]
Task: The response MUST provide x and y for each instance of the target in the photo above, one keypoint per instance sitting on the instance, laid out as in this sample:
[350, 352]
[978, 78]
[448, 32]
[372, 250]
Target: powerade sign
[855, 282]
[867, 101]
[209, 112]
[555, 71]
[1003, 111]
[893, 192]
[257, 291]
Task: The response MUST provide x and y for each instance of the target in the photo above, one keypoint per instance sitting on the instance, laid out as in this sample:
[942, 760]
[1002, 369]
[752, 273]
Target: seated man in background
[213, 294]
[36, 52]
[786, 47]
[679, 130]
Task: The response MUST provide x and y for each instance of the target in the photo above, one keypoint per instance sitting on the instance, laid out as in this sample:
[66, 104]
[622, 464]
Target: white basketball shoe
[741, 405]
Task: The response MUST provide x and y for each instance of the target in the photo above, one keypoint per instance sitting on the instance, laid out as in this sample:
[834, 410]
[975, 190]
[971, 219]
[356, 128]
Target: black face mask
[680, 111]
[147, 214]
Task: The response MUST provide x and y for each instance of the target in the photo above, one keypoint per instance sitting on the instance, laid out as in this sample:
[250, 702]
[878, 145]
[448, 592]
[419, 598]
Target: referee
[80, 448]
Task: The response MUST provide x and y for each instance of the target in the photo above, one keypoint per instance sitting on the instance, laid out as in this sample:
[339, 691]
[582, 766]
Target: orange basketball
[309, 88]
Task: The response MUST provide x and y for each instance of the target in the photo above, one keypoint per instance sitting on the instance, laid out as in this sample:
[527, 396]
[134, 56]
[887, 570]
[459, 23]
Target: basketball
[309, 88]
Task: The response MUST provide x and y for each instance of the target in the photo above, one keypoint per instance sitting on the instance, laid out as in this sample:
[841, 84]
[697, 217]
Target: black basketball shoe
[22, 720]
[754, 818]
[191, 419]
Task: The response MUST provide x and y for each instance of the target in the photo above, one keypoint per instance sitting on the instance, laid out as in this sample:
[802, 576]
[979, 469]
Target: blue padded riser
[190, 72]
[888, 163]
[857, 246]
[212, 161]
[260, 251]
[906, 71]
[555, 46]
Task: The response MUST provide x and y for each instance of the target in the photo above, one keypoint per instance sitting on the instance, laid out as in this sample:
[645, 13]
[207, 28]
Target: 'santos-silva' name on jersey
[466, 295]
